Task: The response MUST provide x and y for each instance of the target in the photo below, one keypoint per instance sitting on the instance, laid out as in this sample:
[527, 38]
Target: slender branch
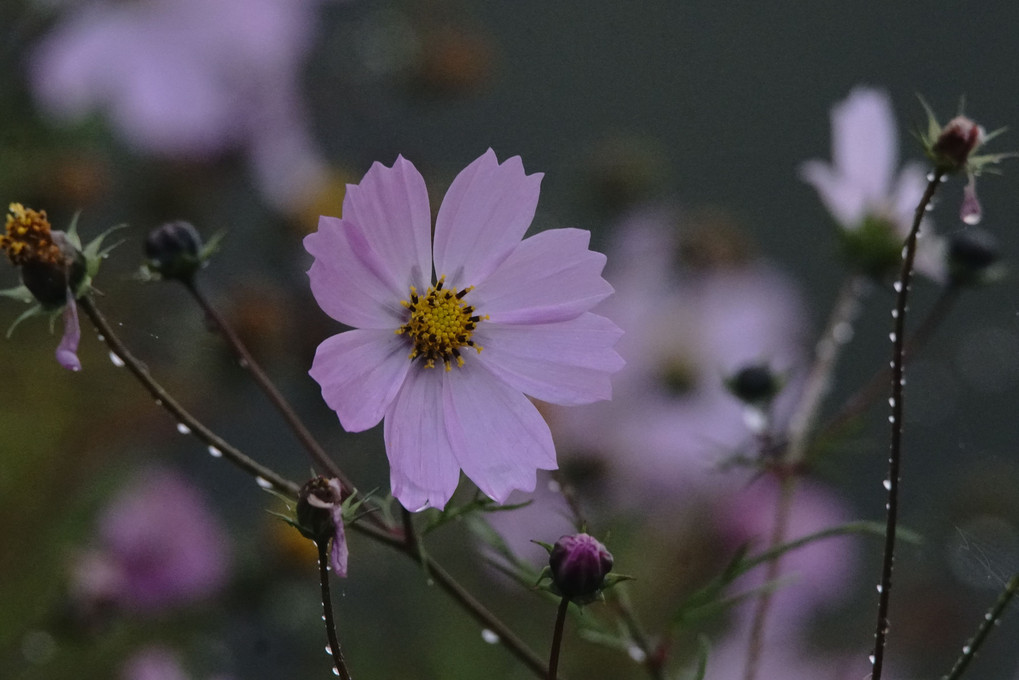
[991, 619]
[895, 454]
[327, 612]
[318, 455]
[825, 357]
[870, 392]
[215, 443]
[557, 638]
[464, 599]
[779, 530]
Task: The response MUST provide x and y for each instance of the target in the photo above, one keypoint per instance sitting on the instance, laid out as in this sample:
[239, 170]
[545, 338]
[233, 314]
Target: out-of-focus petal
[346, 278]
[551, 276]
[906, 195]
[67, 350]
[360, 372]
[568, 363]
[423, 469]
[844, 200]
[865, 144]
[499, 437]
[390, 208]
[483, 216]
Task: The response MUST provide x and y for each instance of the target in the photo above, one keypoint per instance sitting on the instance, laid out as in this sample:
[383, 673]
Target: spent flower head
[447, 359]
[320, 518]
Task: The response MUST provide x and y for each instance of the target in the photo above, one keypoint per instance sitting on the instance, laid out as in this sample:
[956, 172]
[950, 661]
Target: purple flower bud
[173, 251]
[579, 564]
[957, 140]
[320, 518]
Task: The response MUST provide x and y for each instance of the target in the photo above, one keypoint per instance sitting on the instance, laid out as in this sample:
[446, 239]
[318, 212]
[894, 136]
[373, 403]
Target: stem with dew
[339, 665]
[895, 454]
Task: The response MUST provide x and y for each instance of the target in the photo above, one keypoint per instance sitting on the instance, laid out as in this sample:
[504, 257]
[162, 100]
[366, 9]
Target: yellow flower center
[28, 237]
[440, 324]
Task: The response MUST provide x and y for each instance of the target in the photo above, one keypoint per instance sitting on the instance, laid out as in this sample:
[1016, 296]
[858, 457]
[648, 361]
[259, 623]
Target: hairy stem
[895, 454]
[557, 639]
[318, 455]
[163, 399]
[991, 619]
[327, 612]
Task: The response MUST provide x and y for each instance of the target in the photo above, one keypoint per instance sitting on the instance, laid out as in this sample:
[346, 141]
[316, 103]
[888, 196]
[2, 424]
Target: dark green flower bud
[972, 257]
[755, 384]
[578, 565]
[174, 251]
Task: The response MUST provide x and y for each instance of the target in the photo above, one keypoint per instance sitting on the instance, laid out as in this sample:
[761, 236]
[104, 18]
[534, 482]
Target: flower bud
[972, 257]
[754, 384]
[954, 144]
[579, 564]
[320, 518]
[49, 281]
[174, 251]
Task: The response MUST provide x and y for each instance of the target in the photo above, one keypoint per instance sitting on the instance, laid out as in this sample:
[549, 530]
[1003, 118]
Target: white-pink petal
[844, 200]
[345, 278]
[423, 469]
[390, 208]
[360, 372]
[551, 276]
[499, 438]
[865, 142]
[567, 363]
[483, 216]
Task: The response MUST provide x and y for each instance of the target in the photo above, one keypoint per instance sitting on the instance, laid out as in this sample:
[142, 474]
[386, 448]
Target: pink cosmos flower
[860, 183]
[160, 547]
[447, 360]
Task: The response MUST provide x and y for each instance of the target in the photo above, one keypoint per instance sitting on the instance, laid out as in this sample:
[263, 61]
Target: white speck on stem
[887, 484]
[263, 482]
[183, 429]
[214, 452]
[116, 360]
[489, 636]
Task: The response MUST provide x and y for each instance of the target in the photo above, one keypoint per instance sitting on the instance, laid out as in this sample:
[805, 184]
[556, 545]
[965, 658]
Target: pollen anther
[440, 323]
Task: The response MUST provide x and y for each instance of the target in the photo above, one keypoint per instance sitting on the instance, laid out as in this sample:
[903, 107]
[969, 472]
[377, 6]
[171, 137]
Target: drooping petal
[360, 372]
[67, 350]
[339, 552]
[844, 200]
[865, 143]
[499, 438]
[345, 278]
[423, 471]
[483, 216]
[568, 363]
[390, 208]
[551, 276]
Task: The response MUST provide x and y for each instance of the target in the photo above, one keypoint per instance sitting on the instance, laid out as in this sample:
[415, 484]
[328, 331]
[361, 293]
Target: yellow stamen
[29, 237]
[440, 323]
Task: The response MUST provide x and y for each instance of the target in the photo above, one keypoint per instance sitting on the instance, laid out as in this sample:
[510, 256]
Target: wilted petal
[423, 470]
[390, 207]
[551, 276]
[483, 216]
[499, 437]
[865, 143]
[339, 553]
[971, 212]
[568, 363]
[360, 372]
[347, 280]
[67, 350]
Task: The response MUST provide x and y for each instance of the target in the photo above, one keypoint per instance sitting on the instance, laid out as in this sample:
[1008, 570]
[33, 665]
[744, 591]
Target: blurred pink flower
[160, 546]
[153, 663]
[415, 356]
[818, 575]
[860, 183]
[188, 78]
[672, 421]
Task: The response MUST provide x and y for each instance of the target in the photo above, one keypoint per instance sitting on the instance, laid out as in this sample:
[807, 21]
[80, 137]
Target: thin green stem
[557, 638]
[779, 530]
[318, 455]
[327, 612]
[216, 444]
[895, 454]
[991, 619]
